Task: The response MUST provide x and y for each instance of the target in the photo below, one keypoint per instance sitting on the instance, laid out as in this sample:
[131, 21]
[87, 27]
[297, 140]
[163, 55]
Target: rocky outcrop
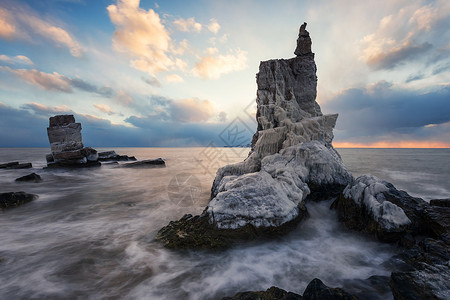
[147, 163]
[15, 165]
[316, 290]
[14, 199]
[67, 146]
[291, 155]
[33, 177]
[113, 156]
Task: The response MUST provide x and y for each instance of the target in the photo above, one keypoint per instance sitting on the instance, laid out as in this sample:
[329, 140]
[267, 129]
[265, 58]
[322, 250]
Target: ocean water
[90, 234]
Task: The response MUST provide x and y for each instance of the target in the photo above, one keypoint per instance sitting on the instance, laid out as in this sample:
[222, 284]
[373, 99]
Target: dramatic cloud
[213, 26]
[214, 66]
[408, 35]
[104, 108]
[141, 34]
[58, 82]
[174, 78]
[18, 59]
[382, 112]
[153, 81]
[47, 111]
[187, 25]
[20, 22]
[46, 81]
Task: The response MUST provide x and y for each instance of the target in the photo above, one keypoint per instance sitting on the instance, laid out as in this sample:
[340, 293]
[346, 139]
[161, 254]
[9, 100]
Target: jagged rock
[14, 199]
[436, 220]
[16, 165]
[113, 156]
[377, 207]
[316, 290]
[440, 202]
[30, 177]
[291, 152]
[303, 42]
[159, 162]
[270, 294]
[429, 277]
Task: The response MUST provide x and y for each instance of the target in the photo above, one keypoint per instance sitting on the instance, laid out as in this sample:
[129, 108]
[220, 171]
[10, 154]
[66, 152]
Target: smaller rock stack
[66, 144]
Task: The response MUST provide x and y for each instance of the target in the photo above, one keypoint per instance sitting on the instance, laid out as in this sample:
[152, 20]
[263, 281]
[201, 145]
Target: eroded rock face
[66, 144]
[291, 151]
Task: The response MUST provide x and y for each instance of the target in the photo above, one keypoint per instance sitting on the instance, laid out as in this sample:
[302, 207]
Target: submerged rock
[159, 162]
[14, 199]
[113, 156]
[30, 177]
[316, 290]
[16, 165]
[291, 153]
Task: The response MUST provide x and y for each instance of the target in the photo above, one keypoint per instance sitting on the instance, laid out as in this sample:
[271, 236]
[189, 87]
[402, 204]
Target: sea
[90, 234]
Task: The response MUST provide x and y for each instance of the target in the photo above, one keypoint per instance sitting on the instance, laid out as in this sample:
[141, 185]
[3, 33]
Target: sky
[182, 73]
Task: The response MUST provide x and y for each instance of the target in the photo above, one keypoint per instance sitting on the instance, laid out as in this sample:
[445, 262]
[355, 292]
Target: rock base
[198, 233]
[14, 199]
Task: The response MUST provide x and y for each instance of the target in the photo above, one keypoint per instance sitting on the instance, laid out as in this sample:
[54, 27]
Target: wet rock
[113, 156]
[436, 220]
[159, 162]
[196, 232]
[270, 294]
[440, 202]
[377, 207]
[15, 165]
[30, 177]
[317, 290]
[14, 199]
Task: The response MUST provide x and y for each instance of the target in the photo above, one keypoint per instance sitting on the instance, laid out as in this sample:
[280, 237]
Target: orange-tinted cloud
[214, 66]
[46, 81]
[397, 144]
[21, 59]
[104, 108]
[214, 26]
[192, 110]
[140, 34]
[174, 78]
[187, 25]
[7, 27]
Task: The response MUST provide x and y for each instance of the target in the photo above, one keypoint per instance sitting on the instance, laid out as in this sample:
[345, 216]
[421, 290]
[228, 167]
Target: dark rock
[10, 164]
[49, 158]
[316, 290]
[113, 156]
[16, 165]
[198, 233]
[440, 202]
[61, 120]
[436, 220]
[14, 199]
[272, 293]
[324, 191]
[303, 42]
[373, 288]
[159, 162]
[30, 177]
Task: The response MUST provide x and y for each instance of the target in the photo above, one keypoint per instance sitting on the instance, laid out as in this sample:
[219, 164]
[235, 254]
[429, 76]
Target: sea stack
[66, 144]
[291, 160]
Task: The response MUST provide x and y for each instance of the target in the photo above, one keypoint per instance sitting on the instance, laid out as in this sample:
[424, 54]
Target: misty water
[90, 233]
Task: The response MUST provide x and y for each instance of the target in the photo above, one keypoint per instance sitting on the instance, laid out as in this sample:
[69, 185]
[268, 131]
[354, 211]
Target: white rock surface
[291, 149]
[367, 191]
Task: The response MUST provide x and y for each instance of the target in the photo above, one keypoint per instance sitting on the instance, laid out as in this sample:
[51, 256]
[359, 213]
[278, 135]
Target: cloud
[415, 77]
[57, 82]
[187, 25]
[191, 110]
[22, 22]
[410, 35]
[153, 81]
[140, 34]
[214, 66]
[104, 108]
[7, 28]
[123, 98]
[384, 112]
[18, 59]
[213, 26]
[46, 81]
[44, 110]
[174, 78]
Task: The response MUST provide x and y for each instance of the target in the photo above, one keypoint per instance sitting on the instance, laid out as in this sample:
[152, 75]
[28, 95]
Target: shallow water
[90, 234]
